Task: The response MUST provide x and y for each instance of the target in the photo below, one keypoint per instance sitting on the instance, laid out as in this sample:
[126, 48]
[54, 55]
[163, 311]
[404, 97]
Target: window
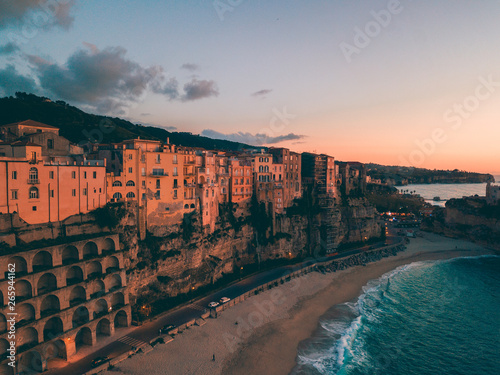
[84, 174]
[51, 193]
[157, 184]
[157, 194]
[144, 197]
[33, 175]
[175, 159]
[94, 174]
[84, 191]
[130, 170]
[117, 196]
[158, 172]
[117, 183]
[130, 183]
[206, 193]
[143, 182]
[130, 156]
[130, 195]
[175, 183]
[157, 159]
[143, 171]
[14, 195]
[33, 193]
[73, 175]
[175, 171]
[73, 193]
[175, 194]
[33, 208]
[213, 193]
[51, 175]
[14, 175]
[50, 144]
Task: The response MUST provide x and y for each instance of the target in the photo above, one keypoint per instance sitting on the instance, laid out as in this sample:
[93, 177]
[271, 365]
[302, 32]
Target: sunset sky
[399, 83]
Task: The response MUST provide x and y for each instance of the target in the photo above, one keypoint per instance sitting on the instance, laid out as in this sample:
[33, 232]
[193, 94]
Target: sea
[433, 317]
[445, 191]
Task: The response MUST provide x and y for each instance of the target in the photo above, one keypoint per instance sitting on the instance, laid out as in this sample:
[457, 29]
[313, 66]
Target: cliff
[470, 218]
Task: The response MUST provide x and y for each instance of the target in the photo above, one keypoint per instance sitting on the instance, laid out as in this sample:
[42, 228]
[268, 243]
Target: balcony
[158, 174]
[33, 181]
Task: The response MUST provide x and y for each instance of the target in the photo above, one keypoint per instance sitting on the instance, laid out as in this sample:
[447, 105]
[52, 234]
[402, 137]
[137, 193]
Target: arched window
[266, 169]
[186, 206]
[117, 196]
[33, 174]
[130, 183]
[261, 168]
[117, 183]
[130, 195]
[33, 193]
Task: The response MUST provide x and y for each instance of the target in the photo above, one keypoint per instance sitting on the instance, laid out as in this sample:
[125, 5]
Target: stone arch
[4, 348]
[24, 290]
[77, 295]
[90, 250]
[70, 255]
[83, 337]
[28, 338]
[117, 183]
[112, 264]
[74, 275]
[103, 328]
[108, 245]
[56, 349]
[50, 305]
[47, 283]
[192, 205]
[117, 300]
[5, 369]
[121, 319]
[31, 361]
[25, 313]
[94, 269]
[52, 328]
[3, 323]
[98, 288]
[130, 194]
[115, 282]
[130, 183]
[20, 264]
[100, 308]
[42, 261]
[186, 206]
[80, 316]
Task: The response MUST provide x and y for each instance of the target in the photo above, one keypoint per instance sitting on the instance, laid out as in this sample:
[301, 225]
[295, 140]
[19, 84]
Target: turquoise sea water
[437, 317]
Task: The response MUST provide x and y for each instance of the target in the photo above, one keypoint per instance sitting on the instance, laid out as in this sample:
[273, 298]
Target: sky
[392, 82]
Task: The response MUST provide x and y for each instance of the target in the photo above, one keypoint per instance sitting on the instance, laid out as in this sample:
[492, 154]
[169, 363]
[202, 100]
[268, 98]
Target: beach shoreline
[261, 335]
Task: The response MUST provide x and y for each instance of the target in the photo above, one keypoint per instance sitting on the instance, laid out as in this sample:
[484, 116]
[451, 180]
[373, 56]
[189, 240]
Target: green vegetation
[78, 126]
[110, 215]
[410, 175]
[396, 202]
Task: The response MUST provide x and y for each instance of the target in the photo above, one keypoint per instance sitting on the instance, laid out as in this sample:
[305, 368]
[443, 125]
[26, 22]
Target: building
[240, 180]
[207, 190]
[47, 191]
[68, 297]
[152, 174]
[290, 176]
[319, 172]
[47, 136]
[492, 193]
[351, 177]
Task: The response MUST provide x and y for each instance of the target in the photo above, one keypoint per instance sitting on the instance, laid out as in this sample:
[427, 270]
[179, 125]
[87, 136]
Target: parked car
[167, 328]
[99, 361]
[224, 300]
[213, 304]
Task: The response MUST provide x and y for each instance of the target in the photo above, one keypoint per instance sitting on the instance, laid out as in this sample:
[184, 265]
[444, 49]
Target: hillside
[395, 175]
[75, 123]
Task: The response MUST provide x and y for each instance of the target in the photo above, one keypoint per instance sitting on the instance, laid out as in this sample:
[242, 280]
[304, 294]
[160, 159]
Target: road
[149, 331]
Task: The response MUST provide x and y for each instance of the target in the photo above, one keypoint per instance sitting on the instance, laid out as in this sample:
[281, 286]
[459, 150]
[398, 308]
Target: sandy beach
[261, 334]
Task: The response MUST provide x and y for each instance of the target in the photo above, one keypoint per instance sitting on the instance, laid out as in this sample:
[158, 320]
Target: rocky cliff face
[469, 218]
[188, 259]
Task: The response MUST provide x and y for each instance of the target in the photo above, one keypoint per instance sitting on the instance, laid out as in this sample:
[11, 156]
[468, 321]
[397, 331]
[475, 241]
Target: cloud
[11, 81]
[105, 80]
[262, 92]
[36, 13]
[197, 89]
[8, 48]
[256, 140]
[170, 88]
[145, 114]
[190, 67]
